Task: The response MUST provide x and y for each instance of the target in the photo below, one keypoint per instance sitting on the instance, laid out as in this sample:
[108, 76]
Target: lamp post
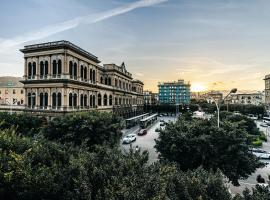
[234, 90]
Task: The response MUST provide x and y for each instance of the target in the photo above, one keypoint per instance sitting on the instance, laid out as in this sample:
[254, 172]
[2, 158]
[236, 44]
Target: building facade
[11, 91]
[60, 77]
[174, 92]
[267, 90]
[150, 98]
[246, 98]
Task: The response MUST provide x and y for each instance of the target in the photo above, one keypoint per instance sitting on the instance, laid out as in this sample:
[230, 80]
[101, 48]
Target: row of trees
[207, 107]
[78, 157]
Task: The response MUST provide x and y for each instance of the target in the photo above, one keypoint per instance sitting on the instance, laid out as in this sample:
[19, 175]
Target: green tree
[201, 143]
[25, 124]
[41, 169]
[92, 128]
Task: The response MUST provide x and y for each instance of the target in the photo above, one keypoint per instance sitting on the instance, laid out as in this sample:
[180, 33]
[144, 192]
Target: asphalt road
[147, 142]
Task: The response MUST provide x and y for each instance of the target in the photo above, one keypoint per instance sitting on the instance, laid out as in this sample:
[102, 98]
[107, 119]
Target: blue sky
[218, 44]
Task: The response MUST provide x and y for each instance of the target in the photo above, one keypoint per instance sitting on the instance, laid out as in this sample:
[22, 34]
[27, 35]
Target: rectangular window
[14, 91]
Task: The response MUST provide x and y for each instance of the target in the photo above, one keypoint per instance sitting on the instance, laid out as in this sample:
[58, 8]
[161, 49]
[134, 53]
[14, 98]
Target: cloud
[139, 74]
[73, 23]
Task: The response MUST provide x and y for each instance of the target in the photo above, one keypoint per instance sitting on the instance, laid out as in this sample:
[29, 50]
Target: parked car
[260, 153]
[264, 124]
[142, 132]
[162, 120]
[129, 138]
[162, 124]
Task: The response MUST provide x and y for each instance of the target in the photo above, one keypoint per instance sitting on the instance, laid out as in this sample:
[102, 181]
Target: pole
[217, 112]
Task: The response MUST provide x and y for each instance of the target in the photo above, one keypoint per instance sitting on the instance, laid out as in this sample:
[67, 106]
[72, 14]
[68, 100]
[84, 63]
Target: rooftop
[59, 44]
[10, 81]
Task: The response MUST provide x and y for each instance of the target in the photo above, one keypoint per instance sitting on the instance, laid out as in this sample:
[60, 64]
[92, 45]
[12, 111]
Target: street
[147, 142]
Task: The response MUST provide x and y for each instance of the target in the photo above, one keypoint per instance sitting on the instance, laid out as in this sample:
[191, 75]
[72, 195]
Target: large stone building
[177, 92]
[11, 91]
[60, 77]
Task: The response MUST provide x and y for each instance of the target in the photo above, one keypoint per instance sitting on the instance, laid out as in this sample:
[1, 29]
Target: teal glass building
[174, 92]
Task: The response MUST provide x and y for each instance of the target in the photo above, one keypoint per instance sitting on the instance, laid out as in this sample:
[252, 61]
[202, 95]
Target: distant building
[177, 92]
[214, 96]
[207, 96]
[11, 91]
[246, 98]
[267, 90]
[150, 98]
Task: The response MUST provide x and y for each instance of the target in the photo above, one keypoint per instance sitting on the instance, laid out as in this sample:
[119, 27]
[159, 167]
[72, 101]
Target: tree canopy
[200, 142]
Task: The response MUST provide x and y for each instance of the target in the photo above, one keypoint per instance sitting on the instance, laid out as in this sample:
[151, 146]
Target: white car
[129, 138]
[261, 153]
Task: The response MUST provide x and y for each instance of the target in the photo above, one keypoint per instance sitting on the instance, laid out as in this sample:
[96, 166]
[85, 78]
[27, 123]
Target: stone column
[49, 67]
[50, 98]
[25, 68]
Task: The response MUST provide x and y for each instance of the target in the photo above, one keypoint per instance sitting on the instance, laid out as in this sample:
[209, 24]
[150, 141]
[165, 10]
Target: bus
[144, 123]
[133, 121]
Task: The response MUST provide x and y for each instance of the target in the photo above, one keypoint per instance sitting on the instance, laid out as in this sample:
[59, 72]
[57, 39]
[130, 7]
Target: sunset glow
[197, 87]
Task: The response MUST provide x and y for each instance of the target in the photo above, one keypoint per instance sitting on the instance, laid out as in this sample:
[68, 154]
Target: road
[264, 172]
[147, 142]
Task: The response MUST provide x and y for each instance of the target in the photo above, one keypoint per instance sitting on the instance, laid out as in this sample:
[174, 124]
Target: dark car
[142, 132]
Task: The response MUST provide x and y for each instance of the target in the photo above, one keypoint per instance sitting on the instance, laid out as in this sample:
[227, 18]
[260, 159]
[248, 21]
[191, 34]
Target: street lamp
[234, 90]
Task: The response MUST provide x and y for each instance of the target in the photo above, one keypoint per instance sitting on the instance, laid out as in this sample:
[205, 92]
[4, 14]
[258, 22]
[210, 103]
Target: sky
[213, 44]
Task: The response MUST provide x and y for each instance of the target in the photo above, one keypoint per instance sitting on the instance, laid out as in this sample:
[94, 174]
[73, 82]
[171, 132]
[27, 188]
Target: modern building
[150, 98]
[11, 91]
[177, 92]
[60, 77]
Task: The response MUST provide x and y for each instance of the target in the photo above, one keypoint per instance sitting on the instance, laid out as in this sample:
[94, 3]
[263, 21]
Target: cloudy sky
[217, 44]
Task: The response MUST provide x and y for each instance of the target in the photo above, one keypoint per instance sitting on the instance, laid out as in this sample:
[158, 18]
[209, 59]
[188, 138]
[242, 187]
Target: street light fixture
[234, 90]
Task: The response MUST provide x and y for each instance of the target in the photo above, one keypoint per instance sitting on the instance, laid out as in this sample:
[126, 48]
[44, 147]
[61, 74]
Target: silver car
[129, 138]
[261, 153]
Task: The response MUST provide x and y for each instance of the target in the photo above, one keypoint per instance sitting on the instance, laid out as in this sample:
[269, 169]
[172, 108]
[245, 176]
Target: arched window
[29, 99]
[41, 68]
[101, 80]
[70, 100]
[116, 101]
[109, 81]
[91, 75]
[75, 100]
[115, 83]
[105, 100]
[75, 70]
[34, 69]
[94, 100]
[82, 72]
[46, 69]
[59, 69]
[29, 70]
[110, 100]
[59, 99]
[81, 100]
[120, 101]
[46, 96]
[91, 101]
[54, 100]
[106, 81]
[85, 100]
[54, 68]
[71, 69]
[85, 74]
[99, 99]
[41, 100]
[120, 84]
[94, 76]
